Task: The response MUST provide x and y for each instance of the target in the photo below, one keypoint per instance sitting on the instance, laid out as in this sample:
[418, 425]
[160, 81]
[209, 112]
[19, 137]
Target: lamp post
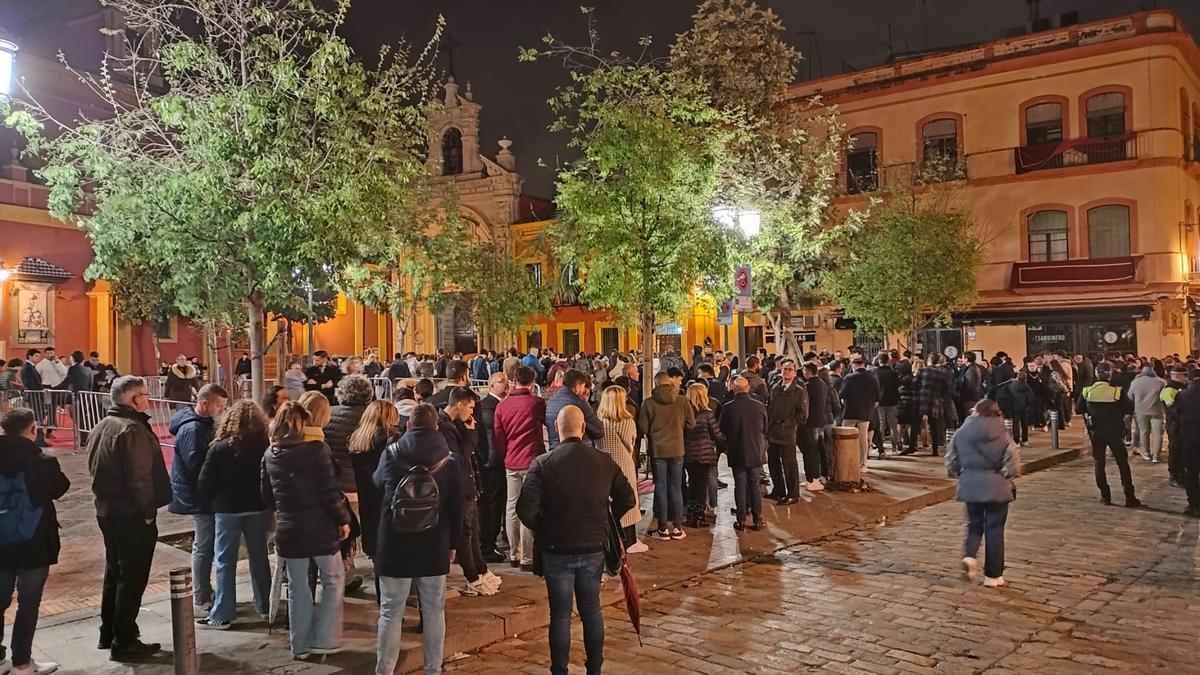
[8, 62]
[749, 223]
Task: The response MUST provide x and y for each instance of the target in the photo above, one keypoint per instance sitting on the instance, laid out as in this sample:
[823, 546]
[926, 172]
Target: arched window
[1108, 231]
[862, 163]
[1106, 114]
[1044, 123]
[452, 152]
[939, 138]
[1048, 238]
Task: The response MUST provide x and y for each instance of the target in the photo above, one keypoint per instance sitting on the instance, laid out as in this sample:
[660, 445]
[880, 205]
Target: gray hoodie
[1144, 391]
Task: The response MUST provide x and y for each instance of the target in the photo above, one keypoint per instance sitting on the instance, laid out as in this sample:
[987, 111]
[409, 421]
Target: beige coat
[618, 443]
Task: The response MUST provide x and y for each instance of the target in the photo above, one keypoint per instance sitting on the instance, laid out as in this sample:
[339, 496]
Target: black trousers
[810, 448]
[784, 468]
[1111, 441]
[1175, 461]
[492, 504]
[128, 551]
[470, 557]
[937, 432]
[1020, 428]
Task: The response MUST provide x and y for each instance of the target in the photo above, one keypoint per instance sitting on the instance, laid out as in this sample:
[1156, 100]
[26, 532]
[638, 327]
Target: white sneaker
[639, 547]
[971, 568]
[993, 583]
[35, 668]
[492, 579]
[478, 587]
[814, 486]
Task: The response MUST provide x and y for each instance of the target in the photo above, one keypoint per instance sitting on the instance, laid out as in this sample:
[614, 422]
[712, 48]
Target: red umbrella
[633, 601]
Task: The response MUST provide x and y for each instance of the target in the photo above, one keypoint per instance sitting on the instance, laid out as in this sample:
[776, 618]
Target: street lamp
[8, 59]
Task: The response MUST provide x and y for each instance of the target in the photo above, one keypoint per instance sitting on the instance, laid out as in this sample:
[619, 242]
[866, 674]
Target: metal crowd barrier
[383, 388]
[91, 406]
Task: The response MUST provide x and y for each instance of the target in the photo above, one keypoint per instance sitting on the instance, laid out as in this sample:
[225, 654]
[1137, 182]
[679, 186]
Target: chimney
[505, 158]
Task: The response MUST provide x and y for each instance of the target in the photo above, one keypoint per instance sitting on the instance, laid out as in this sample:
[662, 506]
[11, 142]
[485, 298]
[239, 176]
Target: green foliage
[266, 152]
[913, 264]
[636, 207]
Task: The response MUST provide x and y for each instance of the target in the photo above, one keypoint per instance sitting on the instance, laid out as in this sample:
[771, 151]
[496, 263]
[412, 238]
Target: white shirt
[53, 373]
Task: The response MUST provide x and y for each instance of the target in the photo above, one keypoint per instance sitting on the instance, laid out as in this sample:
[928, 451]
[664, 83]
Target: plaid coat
[933, 390]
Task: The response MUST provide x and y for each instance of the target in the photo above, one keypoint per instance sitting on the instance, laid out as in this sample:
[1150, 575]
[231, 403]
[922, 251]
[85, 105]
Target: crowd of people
[529, 459]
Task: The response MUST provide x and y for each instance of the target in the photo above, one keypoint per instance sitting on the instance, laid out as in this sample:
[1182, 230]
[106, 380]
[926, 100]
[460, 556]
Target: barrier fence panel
[383, 388]
[91, 407]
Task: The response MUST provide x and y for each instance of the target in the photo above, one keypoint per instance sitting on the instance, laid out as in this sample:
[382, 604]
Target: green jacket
[663, 419]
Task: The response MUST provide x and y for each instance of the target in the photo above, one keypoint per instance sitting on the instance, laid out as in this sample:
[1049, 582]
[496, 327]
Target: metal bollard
[183, 623]
[1053, 429]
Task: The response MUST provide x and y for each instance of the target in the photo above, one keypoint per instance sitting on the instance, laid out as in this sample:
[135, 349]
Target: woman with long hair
[379, 427]
[701, 445]
[319, 412]
[984, 459]
[312, 520]
[619, 433]
[276, 396]
[230, 482]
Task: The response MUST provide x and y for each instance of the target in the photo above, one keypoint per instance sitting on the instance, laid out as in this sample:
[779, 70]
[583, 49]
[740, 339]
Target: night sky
[513, 95]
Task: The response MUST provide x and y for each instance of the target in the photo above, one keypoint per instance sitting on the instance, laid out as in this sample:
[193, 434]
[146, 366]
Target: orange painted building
[1076, 149]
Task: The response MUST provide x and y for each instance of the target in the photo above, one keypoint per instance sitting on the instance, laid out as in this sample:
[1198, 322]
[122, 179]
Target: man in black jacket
[568, 499]
[860, 394]
[398, 370]
[717, 392]
[322, 376]
[744, 424]
[458, 427]
[25, 563]
[819, 415]
[456, 376]
[889, 402]
[422, 559]
[33, 387]
[492, 477]
[1107, 407]
[787, 412]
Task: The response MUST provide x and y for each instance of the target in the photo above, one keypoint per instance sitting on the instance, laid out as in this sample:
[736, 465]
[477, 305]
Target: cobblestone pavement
[1091, 589]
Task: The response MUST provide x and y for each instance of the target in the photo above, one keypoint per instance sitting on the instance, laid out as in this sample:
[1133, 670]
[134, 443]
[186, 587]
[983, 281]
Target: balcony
[1078, 152]
[1074, 273]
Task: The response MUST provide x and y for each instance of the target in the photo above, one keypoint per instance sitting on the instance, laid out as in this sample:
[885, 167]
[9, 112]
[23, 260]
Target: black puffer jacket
[342, 422]
[819, 415]
[700, 442]
[45, 482]
[787, 411]
[229, 479]
[568, 495]
[370, 498]
[299, 482]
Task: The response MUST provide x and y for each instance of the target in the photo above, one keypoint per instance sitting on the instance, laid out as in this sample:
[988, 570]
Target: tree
[637, 222]
[914, 262]
[139, 299]
[267, 151]
[784, 161]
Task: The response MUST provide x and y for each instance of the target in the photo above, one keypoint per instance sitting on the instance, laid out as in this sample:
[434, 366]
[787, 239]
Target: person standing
[398, 370]
[984, 459]
[744, 423]
[34, 392]
[758, 386]
[299, 482]
[30, 545]
[353, 393]
[568, 499]
[378, 428]
[1177, 383]
[490, 460]
[1015, 398]
[457, 425]
[820, 415]
[130, 483]
[662, 420]
[1144, 392]
[620, 431]
[229, 484]
[293, 381]
[323, 376]
[416, 554]
[889, 401]
[860, 394]
[787, 413]
[53, 373]
[574, 391]
[1107, 407]
[701, 447]
[182, 380]
[1187, 410]
[193, 430]
[932, 384]
[518, 424]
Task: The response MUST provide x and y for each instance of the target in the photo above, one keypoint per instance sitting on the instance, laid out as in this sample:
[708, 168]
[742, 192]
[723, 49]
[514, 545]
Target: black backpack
[417, 501]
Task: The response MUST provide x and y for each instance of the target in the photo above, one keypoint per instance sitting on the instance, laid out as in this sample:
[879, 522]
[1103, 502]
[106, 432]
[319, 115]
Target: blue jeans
[393, 597]
[575, 577]
[668, 491]
[202, 559]
[986, 521]
[29, 584]
[747, 492]
[321, 629]
[230, 529]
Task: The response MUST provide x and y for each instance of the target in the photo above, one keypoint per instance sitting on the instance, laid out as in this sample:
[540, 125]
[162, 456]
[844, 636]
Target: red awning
[1086, 272]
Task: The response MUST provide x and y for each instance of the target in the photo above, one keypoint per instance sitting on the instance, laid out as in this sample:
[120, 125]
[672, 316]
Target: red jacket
[517, 429]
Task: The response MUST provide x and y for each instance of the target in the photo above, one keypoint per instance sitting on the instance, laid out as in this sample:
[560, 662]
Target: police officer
[1187, 410]
[1176, 384]
[1107, 406]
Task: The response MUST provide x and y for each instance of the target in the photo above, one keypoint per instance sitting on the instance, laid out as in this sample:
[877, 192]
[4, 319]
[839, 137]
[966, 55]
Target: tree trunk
[773, 318]
[647, 355]
[790, 346]
[254, 311]
[158, 362]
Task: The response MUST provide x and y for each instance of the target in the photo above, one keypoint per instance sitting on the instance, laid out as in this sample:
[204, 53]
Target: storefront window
[1050, 337]
[1112, 337]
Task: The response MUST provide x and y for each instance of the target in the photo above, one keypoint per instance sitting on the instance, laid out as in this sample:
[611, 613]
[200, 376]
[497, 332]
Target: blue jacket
[563, 398]
[983, 458]
[533, 362]
[193, 434]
